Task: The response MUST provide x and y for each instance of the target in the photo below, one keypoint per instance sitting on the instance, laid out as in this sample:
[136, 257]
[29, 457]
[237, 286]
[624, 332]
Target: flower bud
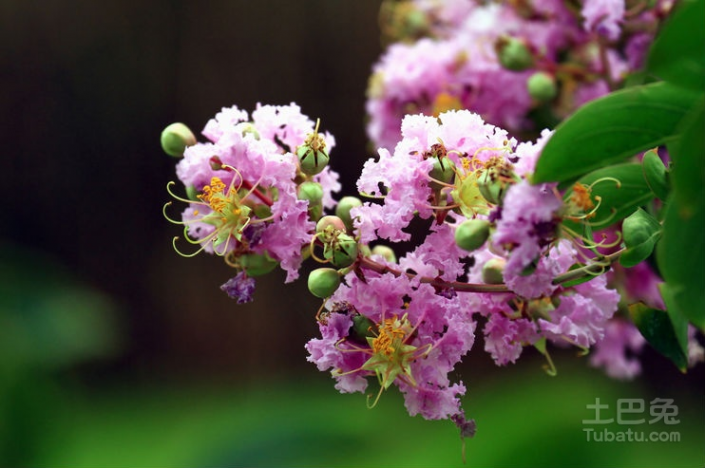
[361, 328]
[343, 210]
[542, 86]
[656, 174]
[342, 252]
[330, 222]
[470, 235]
[385, 252]
[323, 282]
[175, 138]
[312, 155]
[257, 264]
[513, 53]
[443, 171]
[492, 271]
[313, 193]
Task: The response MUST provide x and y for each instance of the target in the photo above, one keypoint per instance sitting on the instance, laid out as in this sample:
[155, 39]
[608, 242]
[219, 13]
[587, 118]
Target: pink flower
[620, 338]
[582, 314]
[604, 17]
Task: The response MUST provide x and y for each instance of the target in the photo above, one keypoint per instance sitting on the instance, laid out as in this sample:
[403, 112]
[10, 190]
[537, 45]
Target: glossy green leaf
[680, 255]
[678, 320]
[655, 325]
[678, 54]
[641, 231]
[655, 174]
[688, 155]
[617, 200]
[612, 129]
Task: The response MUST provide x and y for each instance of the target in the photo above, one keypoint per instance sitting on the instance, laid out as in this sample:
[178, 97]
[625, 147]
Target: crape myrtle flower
[415, 338]
[484, 56]
[247, 177]
[615, 351]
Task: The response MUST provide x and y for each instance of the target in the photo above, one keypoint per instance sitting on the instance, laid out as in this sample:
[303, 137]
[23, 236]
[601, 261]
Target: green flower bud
[656, 174]
[262, 211]
[513, 53]
[470, 235]
[342, 251]
[641, 231]
[330, 223]
[542, 86]
[312, 155]
[386, 252]
[492, 271]
[343, 210]
[442, 171]
[323, 282]
[361, 328]
[311, 191]
[175, 138]
[257, 264]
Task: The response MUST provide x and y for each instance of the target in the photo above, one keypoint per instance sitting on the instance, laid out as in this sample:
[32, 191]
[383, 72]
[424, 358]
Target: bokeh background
[114, 351]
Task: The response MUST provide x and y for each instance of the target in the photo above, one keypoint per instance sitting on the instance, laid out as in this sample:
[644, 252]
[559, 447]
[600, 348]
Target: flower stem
[587, 270]
[264, 198]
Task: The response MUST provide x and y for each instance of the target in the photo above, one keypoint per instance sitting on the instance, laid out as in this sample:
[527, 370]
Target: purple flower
[582, 314]
[240, 287]
[604, 17]
[620, 338]
[505, 338]
[527, 226]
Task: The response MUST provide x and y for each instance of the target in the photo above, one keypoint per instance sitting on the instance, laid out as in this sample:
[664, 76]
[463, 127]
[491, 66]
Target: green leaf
[612, 129]
[680, 255]
[678, 54]
[678, 320]
[688, 157]
[641, 231]
[617, 201]
[681, 251]
[655, 174]
[655, 325]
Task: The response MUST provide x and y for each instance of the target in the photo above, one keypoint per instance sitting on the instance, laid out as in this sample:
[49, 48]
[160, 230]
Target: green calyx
[443, 171]
[312, 154]
[257, 264]
[542, 86]
[323, 282]
[342, 210]
[341, 251]
[493, 270]
[495, 179]
[470, 235]
[513, 54]
[175, 138]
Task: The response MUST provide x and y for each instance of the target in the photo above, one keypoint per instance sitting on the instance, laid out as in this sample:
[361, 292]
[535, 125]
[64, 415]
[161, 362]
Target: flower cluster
[514, 63]
[251, 199]
[491, 233]
[496, 254]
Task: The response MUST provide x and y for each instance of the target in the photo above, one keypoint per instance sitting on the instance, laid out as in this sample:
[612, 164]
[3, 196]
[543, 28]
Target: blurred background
[115, 351]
